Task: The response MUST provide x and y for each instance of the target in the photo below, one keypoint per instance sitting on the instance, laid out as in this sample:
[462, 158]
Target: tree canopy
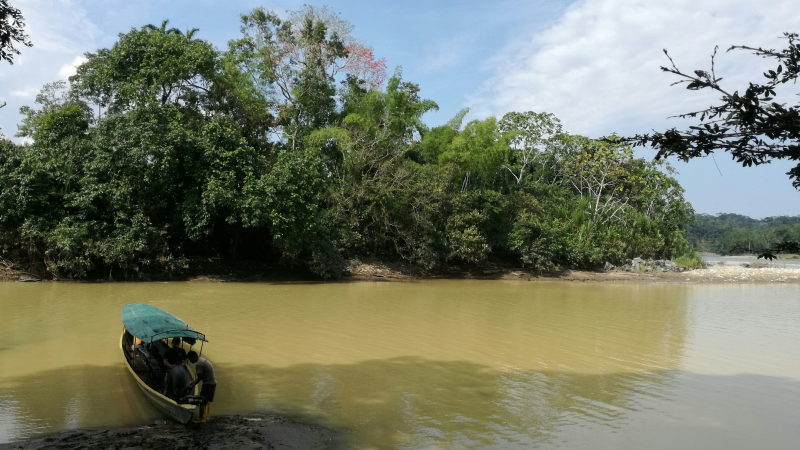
[736, 234]
[293, 146]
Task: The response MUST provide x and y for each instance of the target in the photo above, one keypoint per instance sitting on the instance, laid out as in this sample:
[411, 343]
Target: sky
[595, 64]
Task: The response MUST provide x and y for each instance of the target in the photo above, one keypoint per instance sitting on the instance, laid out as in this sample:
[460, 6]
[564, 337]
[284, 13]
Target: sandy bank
[221, 432]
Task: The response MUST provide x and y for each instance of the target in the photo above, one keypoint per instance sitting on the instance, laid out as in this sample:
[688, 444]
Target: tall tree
[534, 137]
[150, 65]
[296, 61]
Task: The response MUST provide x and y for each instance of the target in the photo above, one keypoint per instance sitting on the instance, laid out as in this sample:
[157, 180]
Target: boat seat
[155, 367]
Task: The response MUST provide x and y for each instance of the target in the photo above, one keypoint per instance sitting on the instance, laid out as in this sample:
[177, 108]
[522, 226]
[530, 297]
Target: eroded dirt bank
[221, 432]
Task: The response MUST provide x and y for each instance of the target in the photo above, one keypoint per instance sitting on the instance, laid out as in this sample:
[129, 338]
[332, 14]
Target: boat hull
[171, 409]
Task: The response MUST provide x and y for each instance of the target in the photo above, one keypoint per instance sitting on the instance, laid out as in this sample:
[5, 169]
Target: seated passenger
[177, 347]
[175, 352]
[177, 379]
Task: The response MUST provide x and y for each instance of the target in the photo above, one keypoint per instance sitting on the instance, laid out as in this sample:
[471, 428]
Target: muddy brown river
[433, 364]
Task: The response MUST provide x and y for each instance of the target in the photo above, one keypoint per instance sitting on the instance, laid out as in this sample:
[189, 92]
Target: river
[435, 364]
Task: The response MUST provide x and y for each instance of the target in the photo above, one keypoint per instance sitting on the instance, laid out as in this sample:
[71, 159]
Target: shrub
[691, 260]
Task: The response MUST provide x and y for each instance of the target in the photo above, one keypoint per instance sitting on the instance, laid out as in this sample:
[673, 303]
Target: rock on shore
[650, 265]
[221, 432]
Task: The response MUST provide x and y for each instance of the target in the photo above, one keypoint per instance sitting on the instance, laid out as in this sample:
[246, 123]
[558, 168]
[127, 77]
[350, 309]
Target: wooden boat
[145, 328]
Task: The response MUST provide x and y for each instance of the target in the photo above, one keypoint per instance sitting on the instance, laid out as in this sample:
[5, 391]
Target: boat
[145, 328]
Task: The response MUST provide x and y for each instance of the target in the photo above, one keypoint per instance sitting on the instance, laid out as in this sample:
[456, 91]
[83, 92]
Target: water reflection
[421, 404]
[412, 403]
[71, 397]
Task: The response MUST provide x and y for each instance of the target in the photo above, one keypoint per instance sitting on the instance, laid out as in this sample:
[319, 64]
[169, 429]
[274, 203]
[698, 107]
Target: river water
[433, 364]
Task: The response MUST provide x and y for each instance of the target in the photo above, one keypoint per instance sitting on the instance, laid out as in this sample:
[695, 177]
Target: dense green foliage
[737, 234]
[284, 146]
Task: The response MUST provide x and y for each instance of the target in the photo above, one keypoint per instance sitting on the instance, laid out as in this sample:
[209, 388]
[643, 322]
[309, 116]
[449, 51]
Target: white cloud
[59, 30]
[597, 68]
[67, 70]
[59, 26]
[24, 93]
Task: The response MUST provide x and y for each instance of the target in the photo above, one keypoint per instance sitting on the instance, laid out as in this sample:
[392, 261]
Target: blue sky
[593, 63]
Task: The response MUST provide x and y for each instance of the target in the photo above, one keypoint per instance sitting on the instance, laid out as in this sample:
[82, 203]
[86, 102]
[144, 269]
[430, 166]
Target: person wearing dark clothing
[177, 381]
[174, 356]
[205, 373]
[177, 347]
[174, 352]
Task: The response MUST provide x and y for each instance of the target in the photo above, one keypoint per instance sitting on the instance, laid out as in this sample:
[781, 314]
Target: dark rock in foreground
[221, 432]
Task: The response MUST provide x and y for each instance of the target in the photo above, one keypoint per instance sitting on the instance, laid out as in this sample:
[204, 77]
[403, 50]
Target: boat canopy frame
[189, 334]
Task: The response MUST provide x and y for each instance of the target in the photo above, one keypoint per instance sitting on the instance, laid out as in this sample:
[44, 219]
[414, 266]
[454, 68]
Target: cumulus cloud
[59, 26]
[597, 67]
[69, 69]
[59, 30]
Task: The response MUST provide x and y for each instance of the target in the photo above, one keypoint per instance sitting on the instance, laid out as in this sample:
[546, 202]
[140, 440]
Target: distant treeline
[292, 145]
[737, 234]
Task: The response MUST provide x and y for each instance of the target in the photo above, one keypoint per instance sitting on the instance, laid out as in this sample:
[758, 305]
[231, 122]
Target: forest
[295, 145]
[734, 234]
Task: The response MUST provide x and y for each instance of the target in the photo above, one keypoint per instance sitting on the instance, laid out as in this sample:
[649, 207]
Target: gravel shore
[740, 274]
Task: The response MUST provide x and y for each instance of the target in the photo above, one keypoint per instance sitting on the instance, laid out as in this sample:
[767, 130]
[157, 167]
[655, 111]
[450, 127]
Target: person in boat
[205, 373]
[175, 351]
[177, 348]
[177, 379]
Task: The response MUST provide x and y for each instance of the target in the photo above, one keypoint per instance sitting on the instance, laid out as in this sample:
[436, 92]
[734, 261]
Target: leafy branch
[753, 126]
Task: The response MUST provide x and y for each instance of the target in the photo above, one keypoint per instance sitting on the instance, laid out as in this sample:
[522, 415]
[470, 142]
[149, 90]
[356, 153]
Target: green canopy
[149, 324]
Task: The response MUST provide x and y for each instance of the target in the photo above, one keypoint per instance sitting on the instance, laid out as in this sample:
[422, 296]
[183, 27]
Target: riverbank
[221, 432]
[375, 270]
[719, 273]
